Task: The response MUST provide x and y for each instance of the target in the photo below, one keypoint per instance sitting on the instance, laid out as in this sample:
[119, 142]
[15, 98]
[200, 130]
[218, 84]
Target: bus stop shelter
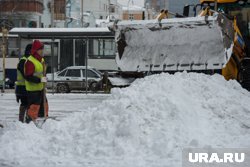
[62, 33]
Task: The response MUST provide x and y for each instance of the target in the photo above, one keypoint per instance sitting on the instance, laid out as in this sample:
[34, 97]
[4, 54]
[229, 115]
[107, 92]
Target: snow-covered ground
[147, 125]
[60, 105]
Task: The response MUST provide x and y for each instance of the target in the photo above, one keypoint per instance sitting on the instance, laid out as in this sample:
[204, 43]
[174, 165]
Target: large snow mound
[147, 124]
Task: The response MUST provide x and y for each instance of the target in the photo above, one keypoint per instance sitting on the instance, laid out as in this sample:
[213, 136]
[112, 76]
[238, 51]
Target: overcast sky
[136, 2]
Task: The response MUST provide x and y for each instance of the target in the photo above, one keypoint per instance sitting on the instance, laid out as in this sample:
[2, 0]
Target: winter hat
[28, 49]
[37, 45]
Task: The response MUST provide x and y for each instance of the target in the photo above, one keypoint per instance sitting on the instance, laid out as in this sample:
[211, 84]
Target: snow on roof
[59, 33]
[133, 8]
[135, 2]
[99, 21]
[66, 30]
[9, 35]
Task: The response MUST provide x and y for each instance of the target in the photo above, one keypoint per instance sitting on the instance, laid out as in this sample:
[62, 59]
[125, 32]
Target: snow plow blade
[197, 43]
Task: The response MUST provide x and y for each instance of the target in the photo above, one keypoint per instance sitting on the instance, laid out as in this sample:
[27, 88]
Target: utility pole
[128, 9]
[4, 48]
[147, 9]
[52, 6]
[82, 12]
[109, 9]
[216, 5]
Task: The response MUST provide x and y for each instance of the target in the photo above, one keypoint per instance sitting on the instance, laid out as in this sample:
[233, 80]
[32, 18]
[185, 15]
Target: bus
[64, 47]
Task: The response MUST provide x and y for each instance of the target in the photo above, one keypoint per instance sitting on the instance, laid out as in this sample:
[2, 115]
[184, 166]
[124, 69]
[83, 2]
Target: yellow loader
[216, 40]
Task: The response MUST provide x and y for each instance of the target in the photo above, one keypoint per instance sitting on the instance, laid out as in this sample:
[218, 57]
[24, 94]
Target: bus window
[102, 48]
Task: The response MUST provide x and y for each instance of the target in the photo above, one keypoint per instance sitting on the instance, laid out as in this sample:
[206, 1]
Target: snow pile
[147, 124]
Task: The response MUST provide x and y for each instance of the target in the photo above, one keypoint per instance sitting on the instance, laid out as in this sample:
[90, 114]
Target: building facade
[25, 13]
[76, 13]
[99, 9]
[56, 18]
[133, 13]
[174, 6]
[157, 5]
[66, 13]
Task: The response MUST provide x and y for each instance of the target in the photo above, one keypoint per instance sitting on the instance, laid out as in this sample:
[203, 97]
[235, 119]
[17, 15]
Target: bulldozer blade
[197, 43]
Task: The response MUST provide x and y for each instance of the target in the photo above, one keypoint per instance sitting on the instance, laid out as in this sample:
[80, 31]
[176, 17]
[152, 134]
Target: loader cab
[241, 11]
[242, 15]
[233, 8]
[223, 1]
[223, 5]
[193, 7]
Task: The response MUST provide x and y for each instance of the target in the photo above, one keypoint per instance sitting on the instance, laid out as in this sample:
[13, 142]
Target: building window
[59, 9]
[112, 9]
[131, 17]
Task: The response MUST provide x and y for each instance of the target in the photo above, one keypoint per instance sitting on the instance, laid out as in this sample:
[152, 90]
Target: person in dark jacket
[21, 94]
[35, 83]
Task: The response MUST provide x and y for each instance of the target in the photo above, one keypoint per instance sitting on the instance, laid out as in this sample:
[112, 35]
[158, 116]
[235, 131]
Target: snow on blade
[147, 125]
[181, 44]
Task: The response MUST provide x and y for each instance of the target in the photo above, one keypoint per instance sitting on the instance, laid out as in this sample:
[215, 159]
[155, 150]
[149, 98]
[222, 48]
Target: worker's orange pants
[36, 105]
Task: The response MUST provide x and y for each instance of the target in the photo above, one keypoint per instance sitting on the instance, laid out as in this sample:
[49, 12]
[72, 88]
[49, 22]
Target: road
[61, 105]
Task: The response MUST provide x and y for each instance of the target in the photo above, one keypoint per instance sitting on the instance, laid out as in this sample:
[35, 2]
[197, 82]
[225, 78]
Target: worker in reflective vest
[21, 94]
[34, 82]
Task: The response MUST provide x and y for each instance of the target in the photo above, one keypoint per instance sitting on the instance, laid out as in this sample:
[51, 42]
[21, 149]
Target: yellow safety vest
[20, 79]
[30, 86]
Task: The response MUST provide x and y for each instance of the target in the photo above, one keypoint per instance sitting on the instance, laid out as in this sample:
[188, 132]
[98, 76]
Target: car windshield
[62, 73]
[90, 73]
[97, 71]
